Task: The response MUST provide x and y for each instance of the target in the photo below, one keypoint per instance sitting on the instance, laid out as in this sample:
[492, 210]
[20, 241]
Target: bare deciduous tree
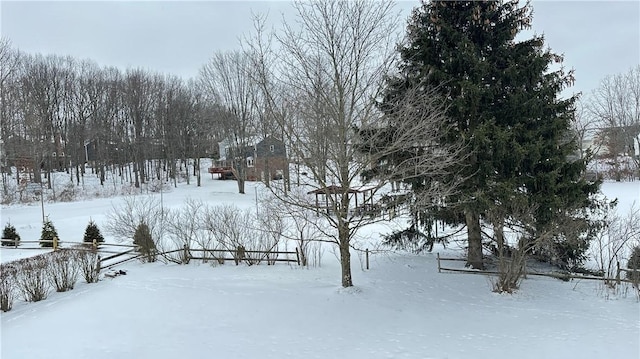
[185, 226]
[123, 221]
[226, 79]
[616, 106]
[9, 84]
[331, 65]
[321, 87]
[299, 224]
[584, 125]
[615, 241]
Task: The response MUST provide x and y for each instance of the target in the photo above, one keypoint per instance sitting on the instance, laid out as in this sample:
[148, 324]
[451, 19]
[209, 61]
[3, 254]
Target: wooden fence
[55, 244]
[241, 255]
[558, 275]
[238, 255]
[105, 254]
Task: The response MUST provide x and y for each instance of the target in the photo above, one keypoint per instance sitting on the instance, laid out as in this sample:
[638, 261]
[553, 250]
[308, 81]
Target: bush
[510, 271]
[63, 269]
[7, 286]
[92, 233]
[89, 264]
[634, 264]
[142, 238]
[48, 234]
[32, 278]
[68, 193]
[10, 232]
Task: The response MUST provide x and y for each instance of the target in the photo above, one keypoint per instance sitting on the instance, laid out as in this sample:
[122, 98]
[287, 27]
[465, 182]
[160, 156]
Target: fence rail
[558, 275]
[56, 243]
[239, 255]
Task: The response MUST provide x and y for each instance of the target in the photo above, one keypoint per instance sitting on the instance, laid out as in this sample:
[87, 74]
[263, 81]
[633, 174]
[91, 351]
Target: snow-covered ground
[400, 308]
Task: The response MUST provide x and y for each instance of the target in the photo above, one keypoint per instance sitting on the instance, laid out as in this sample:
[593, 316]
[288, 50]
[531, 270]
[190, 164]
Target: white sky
[598, 38]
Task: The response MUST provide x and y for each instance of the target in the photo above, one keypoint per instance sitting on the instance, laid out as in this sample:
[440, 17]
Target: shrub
[89, 264]
[92, 233]
[63, 269]
[634, 264]
[32, 278]
[48, 234]
[142, 238]
[510, 271]
[10, 232]
[68, 193]
[7, 286]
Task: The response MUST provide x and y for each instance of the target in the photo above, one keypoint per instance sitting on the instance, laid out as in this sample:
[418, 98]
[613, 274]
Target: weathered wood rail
[240, 255]
[556, 275]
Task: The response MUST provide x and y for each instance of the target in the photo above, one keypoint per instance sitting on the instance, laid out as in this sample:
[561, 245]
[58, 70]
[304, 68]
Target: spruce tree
[9, 232]
[48, 234]
[92, 232]
[504, 103]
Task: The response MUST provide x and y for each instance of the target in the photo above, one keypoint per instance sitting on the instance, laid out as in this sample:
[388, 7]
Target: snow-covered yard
[400, 308]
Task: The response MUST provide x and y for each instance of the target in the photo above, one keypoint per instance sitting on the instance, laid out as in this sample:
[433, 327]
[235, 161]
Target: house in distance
[265, 160]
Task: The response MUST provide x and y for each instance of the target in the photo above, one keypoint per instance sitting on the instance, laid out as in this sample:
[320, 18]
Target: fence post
[618, 273]
[438, 257]
[297, 256]
[186, 253]
[55, 244]
[367, 257]
[15, 242]
[95, 244]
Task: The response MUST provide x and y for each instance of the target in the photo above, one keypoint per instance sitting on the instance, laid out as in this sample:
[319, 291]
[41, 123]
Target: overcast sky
[598, 38]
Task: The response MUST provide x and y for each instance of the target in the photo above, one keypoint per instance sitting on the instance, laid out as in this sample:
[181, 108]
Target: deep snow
[400, 308]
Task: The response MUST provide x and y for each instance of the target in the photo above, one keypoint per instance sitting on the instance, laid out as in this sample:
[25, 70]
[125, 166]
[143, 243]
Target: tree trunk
[187, 174]
[136, 172]
[240, 185]
[345, 255]
[102, 174]
[474, 253]
[198, 173]
[498, 230]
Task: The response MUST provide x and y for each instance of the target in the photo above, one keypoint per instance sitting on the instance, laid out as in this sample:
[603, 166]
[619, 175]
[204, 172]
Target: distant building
[266, 159]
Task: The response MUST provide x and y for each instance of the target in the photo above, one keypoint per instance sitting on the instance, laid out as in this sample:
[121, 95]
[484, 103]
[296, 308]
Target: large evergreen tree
[504, 103]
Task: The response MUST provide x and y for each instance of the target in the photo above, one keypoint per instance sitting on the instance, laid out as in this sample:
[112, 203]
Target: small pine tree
[142, 238]
[48, 234]
[10, 232]
[634, 264]
[92, 232]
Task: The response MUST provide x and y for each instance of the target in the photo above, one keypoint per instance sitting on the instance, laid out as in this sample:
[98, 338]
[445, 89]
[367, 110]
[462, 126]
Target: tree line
[59, 113]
